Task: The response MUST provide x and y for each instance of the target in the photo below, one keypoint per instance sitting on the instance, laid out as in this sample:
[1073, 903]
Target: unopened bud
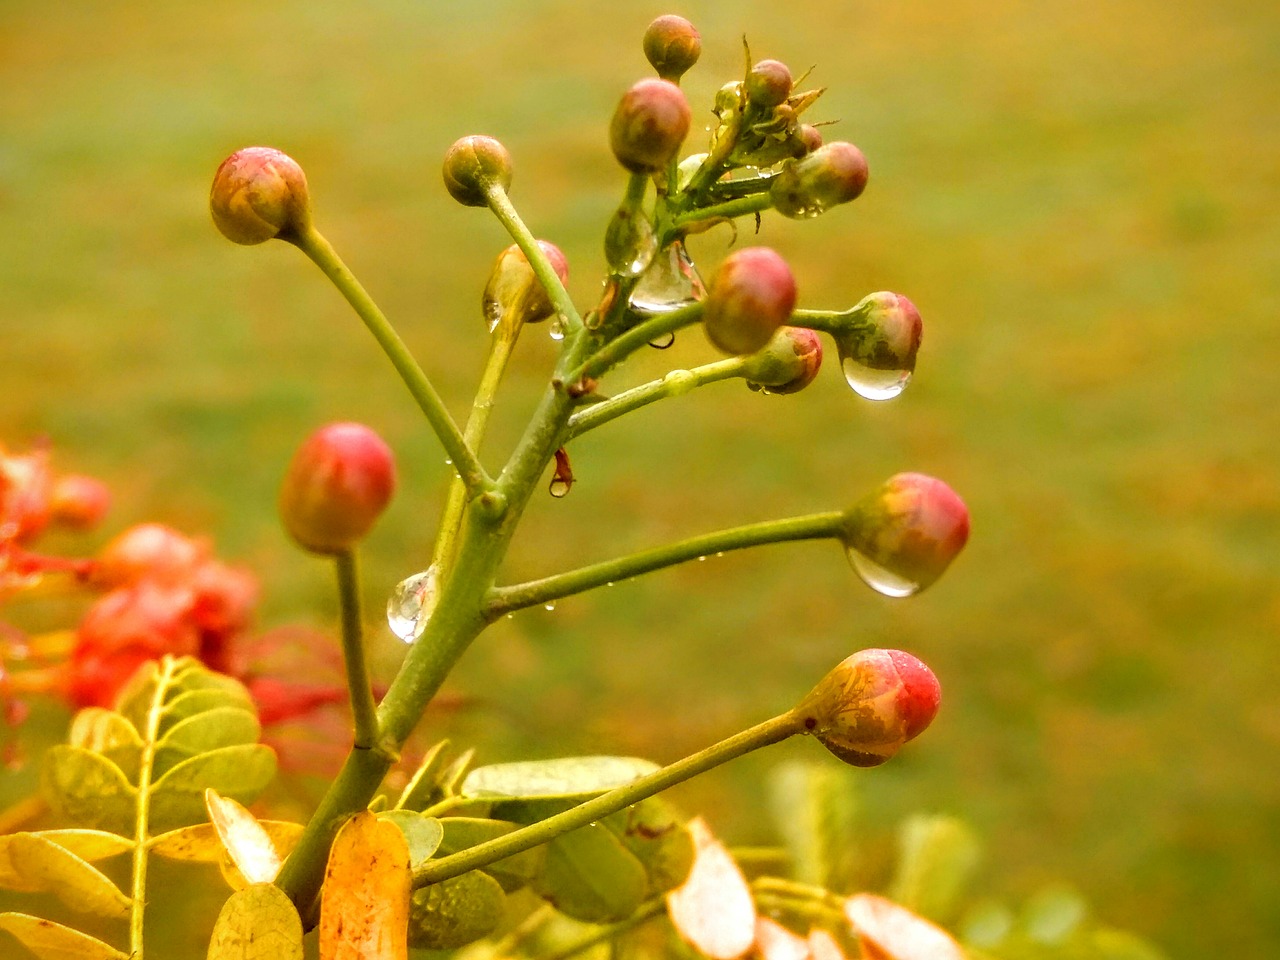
[336, 487]
[79, 501]
[871, 704]
[514, 290]
[810, 137]
[832, 174]
[259, 194]
[149, 551]
[788, 363]
[903, 536]
[672, 45]
[752, 295]
[473, 166]
[768, 84]
[879, 343]
[650, 123]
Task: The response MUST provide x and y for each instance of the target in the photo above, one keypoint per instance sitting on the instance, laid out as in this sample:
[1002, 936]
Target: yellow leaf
[257, 923]
[364, 906]
[76, 883]
[713, 910]
[52, 941]
[200, 843]
[246, 842]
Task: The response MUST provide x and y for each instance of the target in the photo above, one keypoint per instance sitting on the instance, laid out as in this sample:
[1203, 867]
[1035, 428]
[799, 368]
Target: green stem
[753, 738]
[727, 209]
[796, 890]
[506, 213]
[674, 384]
[814, 526]
[834, 322]
[615, 351]
[363, 709]
[142, 834]
[322, 254]
[643, 914]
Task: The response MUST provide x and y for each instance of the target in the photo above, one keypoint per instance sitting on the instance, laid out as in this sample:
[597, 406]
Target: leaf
[240, 772]
[815, 807]
[569, 778]
[247, 844]
[776, 942]
[89, 789]
[108, 733]
[257, 923]
[939, 855]
[895, 933]
[52, 941]
[203, 732]
[511, 872]
[422, 789]
[423, 834]
[80, 885]
[456, 912]
[657, 836]
[200, 843]
[713, 909]
[364, 904]
[823, 946]
[590, 876]
[85, 844]
[196, 702]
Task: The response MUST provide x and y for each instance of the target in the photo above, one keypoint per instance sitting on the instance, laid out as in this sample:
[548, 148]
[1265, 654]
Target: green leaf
[204, 732]
[567, 778]
[422, 789]
[590, 876]
[197, 702]
[455, 912]
[423, 834]
[52, 941]
[108, 733]
[1054, 914]
[938, 857]
[655, 834]
[241, 773]
[85, 844]
[89, 789]
[257, 923]
[815, 807]
[512, 872]
[80, 885]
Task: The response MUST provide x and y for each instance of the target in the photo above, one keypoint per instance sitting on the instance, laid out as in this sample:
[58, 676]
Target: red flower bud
[514, 290]
[337, 485]
[788, 363]
[148, 551]
[872, 703]
[832, 174]
[672, 45]
[752, 295]
[79, 501]
[25, 485]
[768, 84]
[878, 348]
[650, 123]
[903, 536]
[473, 166]
[260, 193]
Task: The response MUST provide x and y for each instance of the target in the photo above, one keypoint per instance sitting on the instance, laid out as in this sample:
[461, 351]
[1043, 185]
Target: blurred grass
[1082, 201]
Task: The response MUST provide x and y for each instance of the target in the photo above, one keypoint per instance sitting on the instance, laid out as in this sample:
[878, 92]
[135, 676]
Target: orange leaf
[890, 932]
[776, 942]
[713, 910]
[364, 907]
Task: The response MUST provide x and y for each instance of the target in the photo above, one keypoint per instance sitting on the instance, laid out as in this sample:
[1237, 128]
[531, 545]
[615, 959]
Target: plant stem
[738, 207]
[363, 709]
[619, 349]
[322, 254]
[814, 526]
[506, 213]
[674, 384]
[643, 914]
[834, 322]
[761, 735]
[142, 834]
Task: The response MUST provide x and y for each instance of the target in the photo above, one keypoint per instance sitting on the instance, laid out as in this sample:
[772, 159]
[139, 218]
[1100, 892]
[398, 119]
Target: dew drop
[702, 559]
[492, 312]
[671, 282]
[873, 383]
[663, 343]
[720, 553]
[548, 606]
[879, 578]
[411, 602]
[556, 328]
[559, 487]
[609, 584]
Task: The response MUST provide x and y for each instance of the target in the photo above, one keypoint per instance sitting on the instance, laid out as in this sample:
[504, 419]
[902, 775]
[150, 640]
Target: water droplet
[559, 487]
[609, 584]
[879, 578]
[492, 312]
[720, 553]
[671, 282]
[557, 327]
[548, 606]
[663, 343]
[701, 559]
[871, 383]
[510, 616]
[411, 602]
[448, 463]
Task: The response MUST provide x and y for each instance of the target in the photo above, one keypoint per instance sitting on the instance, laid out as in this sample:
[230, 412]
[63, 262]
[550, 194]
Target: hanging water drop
[556, 328]
[411, 602]
[873, 383]
[559, 487]
[548, 606]
[879, 578]
[492, 312]
[671, 282]
[663, 343]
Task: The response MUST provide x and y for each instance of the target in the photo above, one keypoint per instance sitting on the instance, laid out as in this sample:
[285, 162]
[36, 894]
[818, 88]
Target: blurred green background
[1082, 200]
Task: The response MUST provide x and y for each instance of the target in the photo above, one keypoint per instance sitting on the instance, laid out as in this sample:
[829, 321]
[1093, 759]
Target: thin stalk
[826, 321]
[643, 914]
[739, 207]
[506, 213]
[363, 709]
[142, 835]
[615, 351]
[322, 254]
[674, 384]
[794, 889]
[762, 734]
[814, 526]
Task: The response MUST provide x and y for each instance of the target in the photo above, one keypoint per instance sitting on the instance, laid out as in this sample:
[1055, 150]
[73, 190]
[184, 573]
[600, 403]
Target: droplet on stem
[411, 603]
[670, 282]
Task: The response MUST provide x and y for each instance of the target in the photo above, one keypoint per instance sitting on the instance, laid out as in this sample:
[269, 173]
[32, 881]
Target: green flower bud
[768, 84]
[650, 123]
[834, 173]
[752, 295]
[474, 165]
[514, 290]
[871, 704]
[337, 485]
[259, 194]
[902, 537]
[672, 45]
[788, 363]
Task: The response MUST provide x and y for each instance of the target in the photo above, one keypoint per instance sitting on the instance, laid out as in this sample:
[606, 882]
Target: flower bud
[258, 194]
[834, 173]
[768, 84]
[79, 501]
[514, 290]
[810, 137]
[149, 551]
[903, 536]
[872, 703]
[472, 166]
[752, 295]
[878, 347]
[337, 485]
[672, 45]
[788, 363]
[650, 123]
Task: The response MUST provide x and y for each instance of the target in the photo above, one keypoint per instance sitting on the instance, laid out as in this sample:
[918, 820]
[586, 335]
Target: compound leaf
[87, 788]
[240, 772]
[52, 941]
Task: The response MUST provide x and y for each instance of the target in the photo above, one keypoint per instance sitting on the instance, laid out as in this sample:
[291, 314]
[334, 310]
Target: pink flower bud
[752, 295]
[514, 290]
[878, 347]
[79, 501]
[337, 485]
[810, 137]
[834, 173]
[903, 536]
[872, 703]
[473, 166]
[650, 123]
[672, 45]
[258, 194]
[788, 363]
[768, 84]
